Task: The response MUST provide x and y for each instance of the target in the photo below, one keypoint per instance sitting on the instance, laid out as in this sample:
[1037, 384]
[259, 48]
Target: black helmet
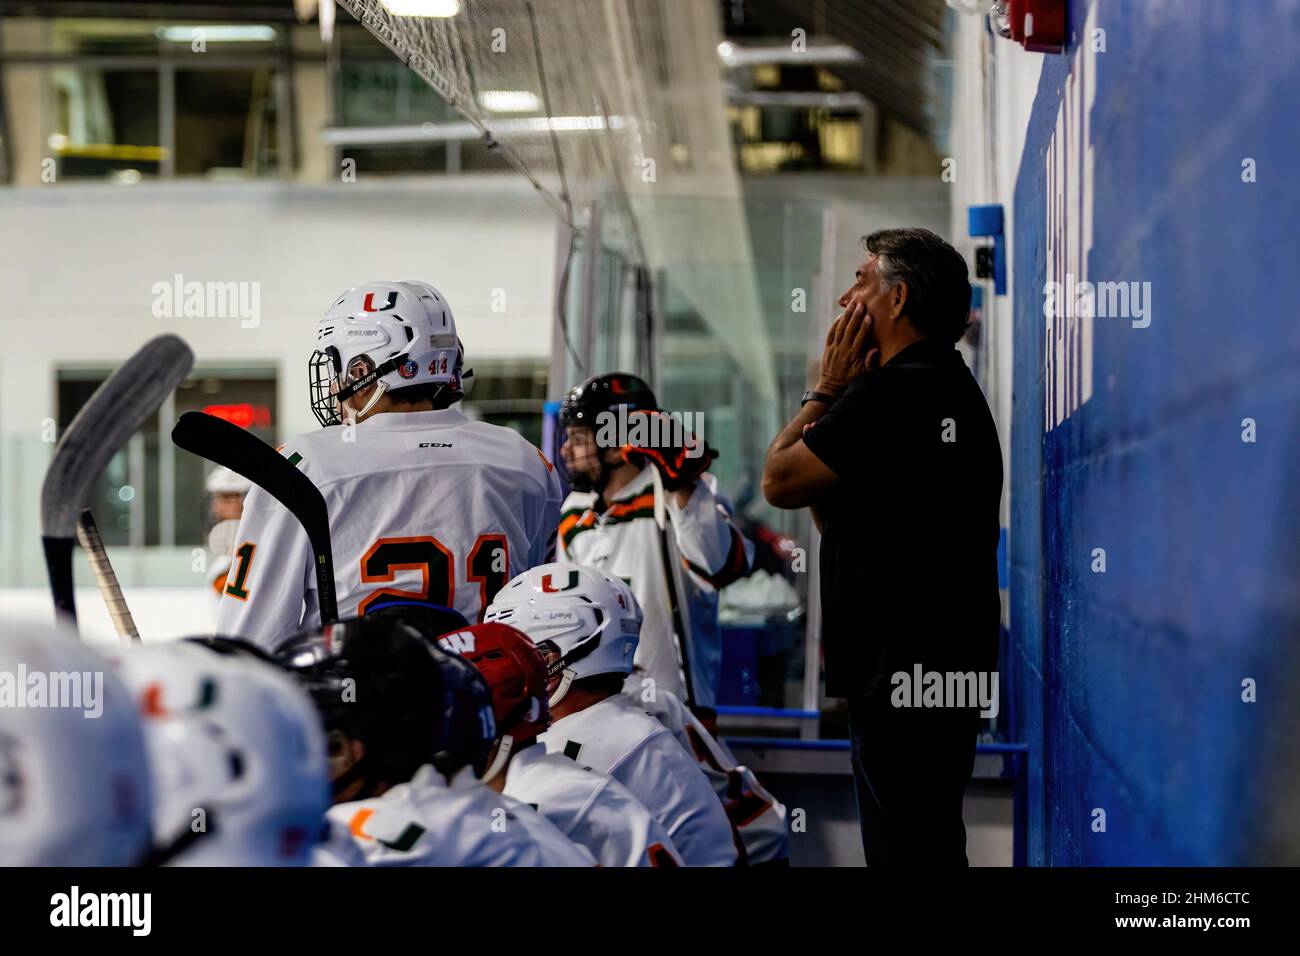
[584, 405]
[379, 681]
[605, 393]
[232, 647]
[431, 620]
[468, 717]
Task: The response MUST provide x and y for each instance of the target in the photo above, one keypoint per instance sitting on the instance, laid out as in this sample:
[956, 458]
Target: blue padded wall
[1129, 683]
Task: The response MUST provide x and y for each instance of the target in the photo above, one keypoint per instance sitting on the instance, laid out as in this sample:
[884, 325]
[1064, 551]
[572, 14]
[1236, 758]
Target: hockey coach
[896, 453]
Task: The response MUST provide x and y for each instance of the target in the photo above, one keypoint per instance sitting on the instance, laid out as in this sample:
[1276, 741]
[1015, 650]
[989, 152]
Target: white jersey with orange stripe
[427, 505]
[429, 821]
[758, 817]
[623, 540]
[590, 808]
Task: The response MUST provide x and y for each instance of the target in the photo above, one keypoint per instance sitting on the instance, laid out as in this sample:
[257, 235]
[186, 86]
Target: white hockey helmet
[237, 739]
[221, 480]
[74, 774]
[393, 334]
[589, 617]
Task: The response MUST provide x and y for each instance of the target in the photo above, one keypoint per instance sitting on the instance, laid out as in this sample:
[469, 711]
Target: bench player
[590, 808]
[410, 729]
[424, 504]
[587, 630]
[608, 523]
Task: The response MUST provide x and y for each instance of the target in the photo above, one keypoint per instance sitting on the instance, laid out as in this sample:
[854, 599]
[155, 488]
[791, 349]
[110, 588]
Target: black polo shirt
[909, 547]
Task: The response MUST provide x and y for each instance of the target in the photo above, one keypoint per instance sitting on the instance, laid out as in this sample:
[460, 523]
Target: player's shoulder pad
[578, 501]
[389, 826]
[306, 450]
[518, 451]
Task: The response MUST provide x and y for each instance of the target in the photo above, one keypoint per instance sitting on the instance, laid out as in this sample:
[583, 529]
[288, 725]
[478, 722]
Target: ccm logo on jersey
[461, 642]
[434, 444]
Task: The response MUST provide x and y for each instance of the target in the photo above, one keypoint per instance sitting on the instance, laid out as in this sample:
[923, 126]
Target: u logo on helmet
[549, 586]
[369, 303]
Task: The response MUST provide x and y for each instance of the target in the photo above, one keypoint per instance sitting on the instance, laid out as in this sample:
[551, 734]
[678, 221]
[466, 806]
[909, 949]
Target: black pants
[910, 771]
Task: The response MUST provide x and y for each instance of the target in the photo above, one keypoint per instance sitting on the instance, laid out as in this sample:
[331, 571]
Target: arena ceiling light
[421, 8]
[509, 101]
[217, 33]
[813, 52]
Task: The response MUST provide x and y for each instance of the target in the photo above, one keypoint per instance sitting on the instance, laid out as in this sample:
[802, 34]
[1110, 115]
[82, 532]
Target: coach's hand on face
[850, 349]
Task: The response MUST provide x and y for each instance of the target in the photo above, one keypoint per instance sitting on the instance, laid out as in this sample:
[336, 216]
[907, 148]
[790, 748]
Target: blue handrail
[835, 744]
[744, 710]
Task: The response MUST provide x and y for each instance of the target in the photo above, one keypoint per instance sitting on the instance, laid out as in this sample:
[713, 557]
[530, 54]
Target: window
[226, 123]
[151, 493]
[389, 120]
[105, 121]
[510, 394]
[133, 99]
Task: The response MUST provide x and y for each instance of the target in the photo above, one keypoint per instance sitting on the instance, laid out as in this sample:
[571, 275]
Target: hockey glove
[663, 441]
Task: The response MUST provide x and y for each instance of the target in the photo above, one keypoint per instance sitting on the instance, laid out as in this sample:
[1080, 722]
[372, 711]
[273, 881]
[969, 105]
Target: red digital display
[243, 414]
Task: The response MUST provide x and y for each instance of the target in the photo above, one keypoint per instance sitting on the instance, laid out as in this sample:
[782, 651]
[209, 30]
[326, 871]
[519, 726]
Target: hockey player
[759, 818]
[589, 808]
[423, 503]
[222, 508]
[609, 456]
[587, 630]
[410, 729]
[73, 791]
[237, 753]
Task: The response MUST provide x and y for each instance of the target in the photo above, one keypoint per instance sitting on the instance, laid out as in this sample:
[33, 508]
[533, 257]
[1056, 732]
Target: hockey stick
[117, 409]
[93, 545]
[244, 453]
[672, 580]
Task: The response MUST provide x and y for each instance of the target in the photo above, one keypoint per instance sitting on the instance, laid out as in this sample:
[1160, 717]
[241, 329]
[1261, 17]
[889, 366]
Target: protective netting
[616, 102]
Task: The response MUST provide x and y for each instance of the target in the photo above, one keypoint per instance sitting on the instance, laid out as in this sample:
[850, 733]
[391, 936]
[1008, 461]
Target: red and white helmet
[74, 771]
[237, 739]
[393, 334]
[593, 623]
[515, 672]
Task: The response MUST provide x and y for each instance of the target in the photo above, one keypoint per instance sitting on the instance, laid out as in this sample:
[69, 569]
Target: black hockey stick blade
[117, 409]
[227, 444]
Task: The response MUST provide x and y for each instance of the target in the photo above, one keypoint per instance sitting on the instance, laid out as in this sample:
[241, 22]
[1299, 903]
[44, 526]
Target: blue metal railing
[742, 710]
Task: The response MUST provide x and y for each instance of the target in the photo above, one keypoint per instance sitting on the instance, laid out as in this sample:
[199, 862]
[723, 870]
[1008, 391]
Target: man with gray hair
[896, 453]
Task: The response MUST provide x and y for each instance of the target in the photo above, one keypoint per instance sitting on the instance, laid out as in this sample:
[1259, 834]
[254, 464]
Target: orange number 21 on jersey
[487, 564]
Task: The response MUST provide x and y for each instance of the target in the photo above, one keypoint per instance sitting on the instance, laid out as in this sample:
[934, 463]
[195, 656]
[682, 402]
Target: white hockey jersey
[758, 816]
[430, 822]
[590, 808]
[618, 738]
[427, 505]
[624, 542]
[337, 847]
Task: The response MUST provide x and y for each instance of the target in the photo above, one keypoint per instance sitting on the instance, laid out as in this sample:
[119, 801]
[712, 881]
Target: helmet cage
[323, 374]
